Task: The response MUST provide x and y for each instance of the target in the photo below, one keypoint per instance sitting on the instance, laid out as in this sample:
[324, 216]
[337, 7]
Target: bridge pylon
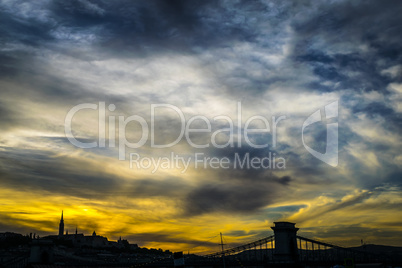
[285, 242]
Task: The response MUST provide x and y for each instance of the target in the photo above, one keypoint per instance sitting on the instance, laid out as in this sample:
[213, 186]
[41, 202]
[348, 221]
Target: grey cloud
[25, 169]
[44, 171]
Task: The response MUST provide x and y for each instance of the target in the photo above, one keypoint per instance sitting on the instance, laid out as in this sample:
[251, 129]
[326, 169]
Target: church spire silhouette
[61, 225]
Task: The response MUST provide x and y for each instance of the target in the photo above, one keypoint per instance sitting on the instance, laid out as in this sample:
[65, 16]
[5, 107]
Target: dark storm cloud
[241, 195]
[148, 187]
[151, 26]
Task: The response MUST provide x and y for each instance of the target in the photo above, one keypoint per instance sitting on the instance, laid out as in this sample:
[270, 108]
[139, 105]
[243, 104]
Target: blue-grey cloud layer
[251, 51]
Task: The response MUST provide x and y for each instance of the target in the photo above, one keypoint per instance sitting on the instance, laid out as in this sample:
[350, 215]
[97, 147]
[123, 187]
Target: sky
[163, 79]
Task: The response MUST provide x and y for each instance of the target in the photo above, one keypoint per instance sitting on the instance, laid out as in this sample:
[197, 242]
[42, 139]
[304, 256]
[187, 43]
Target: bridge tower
[285, 242]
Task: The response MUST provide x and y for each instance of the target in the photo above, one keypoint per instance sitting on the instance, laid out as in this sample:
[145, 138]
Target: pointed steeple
[76, 229]
[61, 225]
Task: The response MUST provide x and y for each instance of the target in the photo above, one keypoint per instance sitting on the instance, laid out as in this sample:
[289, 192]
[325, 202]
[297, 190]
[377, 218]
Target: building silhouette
[80, 240]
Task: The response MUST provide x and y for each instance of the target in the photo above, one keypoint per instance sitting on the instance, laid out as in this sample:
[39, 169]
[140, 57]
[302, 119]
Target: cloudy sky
[209, 59]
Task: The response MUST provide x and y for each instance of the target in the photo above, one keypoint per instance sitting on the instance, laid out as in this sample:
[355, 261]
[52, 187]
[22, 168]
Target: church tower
[61, 225]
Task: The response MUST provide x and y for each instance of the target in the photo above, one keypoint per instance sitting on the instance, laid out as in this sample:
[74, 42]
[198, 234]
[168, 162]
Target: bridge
[287, 249]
